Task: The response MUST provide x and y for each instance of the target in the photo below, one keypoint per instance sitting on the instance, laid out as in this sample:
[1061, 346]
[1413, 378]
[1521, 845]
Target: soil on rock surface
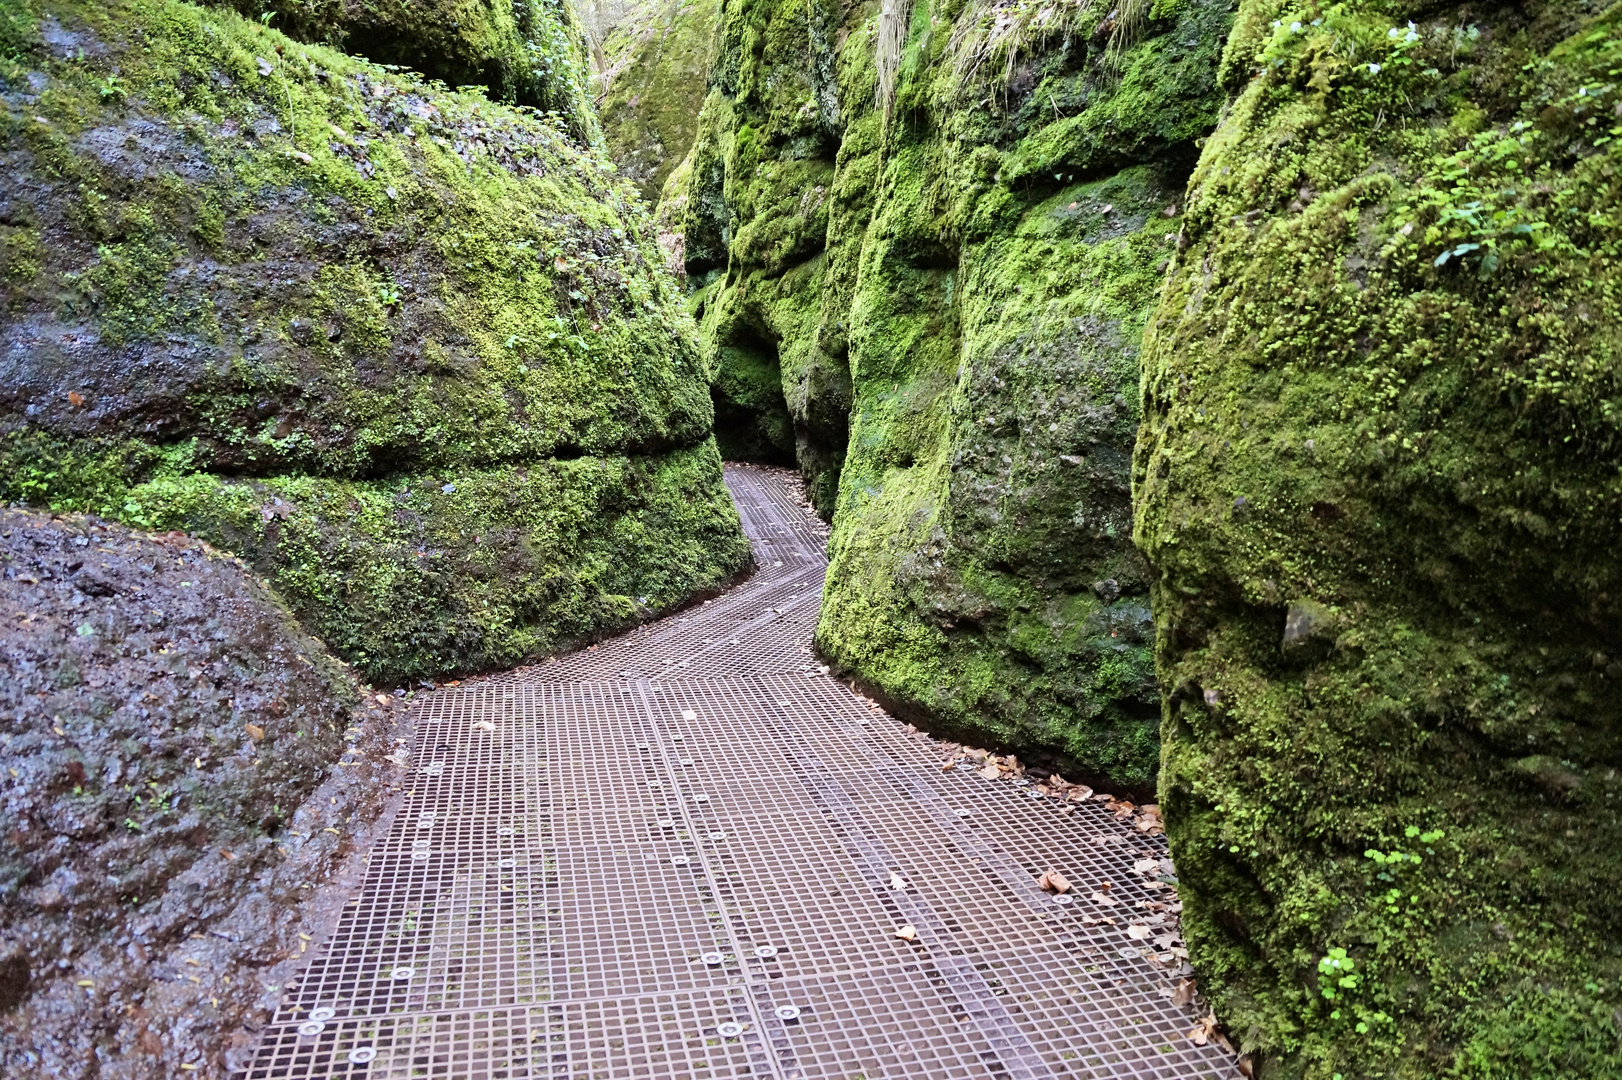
[180, 765]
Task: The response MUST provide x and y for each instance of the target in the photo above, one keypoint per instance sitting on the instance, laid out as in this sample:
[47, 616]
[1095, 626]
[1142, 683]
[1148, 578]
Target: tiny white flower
[1396, 32]
[1295, 28]
[1374, 69]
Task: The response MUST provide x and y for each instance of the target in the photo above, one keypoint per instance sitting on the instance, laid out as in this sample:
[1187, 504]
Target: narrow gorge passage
[687, 851]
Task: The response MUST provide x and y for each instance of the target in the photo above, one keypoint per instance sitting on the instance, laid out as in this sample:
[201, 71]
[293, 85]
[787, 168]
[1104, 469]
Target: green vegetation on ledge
[1378, 485]
[412, 354]
[527, 52]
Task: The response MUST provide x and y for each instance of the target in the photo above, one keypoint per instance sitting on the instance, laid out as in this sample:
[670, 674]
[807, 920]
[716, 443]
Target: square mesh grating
[672, 855]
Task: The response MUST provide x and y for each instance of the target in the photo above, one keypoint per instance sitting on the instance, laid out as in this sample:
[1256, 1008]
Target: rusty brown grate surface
[677, 854]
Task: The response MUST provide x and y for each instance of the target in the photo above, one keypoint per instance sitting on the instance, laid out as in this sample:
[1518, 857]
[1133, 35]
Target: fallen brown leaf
[906, 933]
[897, 882]
[255, 732]
[1184, 994]
[1138, 932]
[991, 772]
[1053, 881]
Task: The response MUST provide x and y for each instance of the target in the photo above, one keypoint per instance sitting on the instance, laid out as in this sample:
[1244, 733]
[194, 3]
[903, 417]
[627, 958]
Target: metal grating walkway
[676, 854]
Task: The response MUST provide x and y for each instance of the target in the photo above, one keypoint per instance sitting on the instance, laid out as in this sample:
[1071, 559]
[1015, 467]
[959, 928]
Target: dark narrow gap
[752, 421]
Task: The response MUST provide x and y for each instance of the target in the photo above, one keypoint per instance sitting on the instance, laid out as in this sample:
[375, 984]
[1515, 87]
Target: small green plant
[111, 89]
[1337, 977]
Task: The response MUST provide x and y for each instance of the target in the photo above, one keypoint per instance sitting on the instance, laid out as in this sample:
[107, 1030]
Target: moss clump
[954, 295]
[412, 350]
[526, 52]
[1377, 482]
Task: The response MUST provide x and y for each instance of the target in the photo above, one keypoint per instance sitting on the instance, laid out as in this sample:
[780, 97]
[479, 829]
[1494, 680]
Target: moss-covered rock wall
[1378, 486]
[415, 355]
[755, 203]
[951, 294]
[526, 52]
[655, 61]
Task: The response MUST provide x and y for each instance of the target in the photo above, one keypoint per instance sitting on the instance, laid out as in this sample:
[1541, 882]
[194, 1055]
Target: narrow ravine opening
[752, 421]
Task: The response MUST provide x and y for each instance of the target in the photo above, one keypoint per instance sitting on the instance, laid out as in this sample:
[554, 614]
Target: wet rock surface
[180, 766]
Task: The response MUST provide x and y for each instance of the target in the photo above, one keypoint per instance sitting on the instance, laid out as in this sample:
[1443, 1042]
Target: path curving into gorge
[687, 852]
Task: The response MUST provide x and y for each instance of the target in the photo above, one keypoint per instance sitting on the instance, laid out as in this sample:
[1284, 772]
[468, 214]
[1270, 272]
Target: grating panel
[624, 862]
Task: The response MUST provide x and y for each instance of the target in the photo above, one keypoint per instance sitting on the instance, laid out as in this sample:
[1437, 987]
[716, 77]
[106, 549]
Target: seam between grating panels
[514, 785]
[1001, 868]
[674, 638]
[752, 489]
[1097, 961]
[775, 1043]
[1006, 1043]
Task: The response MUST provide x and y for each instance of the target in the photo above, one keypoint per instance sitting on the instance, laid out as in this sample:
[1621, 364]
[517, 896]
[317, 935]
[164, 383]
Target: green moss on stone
[410, 349]
[1377, 483]
[997, 273]
[656, 63]
[756, 213]
[525, 52]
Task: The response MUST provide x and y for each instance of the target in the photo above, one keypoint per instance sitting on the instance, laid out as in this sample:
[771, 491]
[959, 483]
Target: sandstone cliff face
[936, 308]
[1377, 483]
[411, 353]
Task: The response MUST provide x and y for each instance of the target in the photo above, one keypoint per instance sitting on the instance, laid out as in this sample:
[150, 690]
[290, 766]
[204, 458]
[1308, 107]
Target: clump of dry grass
[991, 35]
[893, 18]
